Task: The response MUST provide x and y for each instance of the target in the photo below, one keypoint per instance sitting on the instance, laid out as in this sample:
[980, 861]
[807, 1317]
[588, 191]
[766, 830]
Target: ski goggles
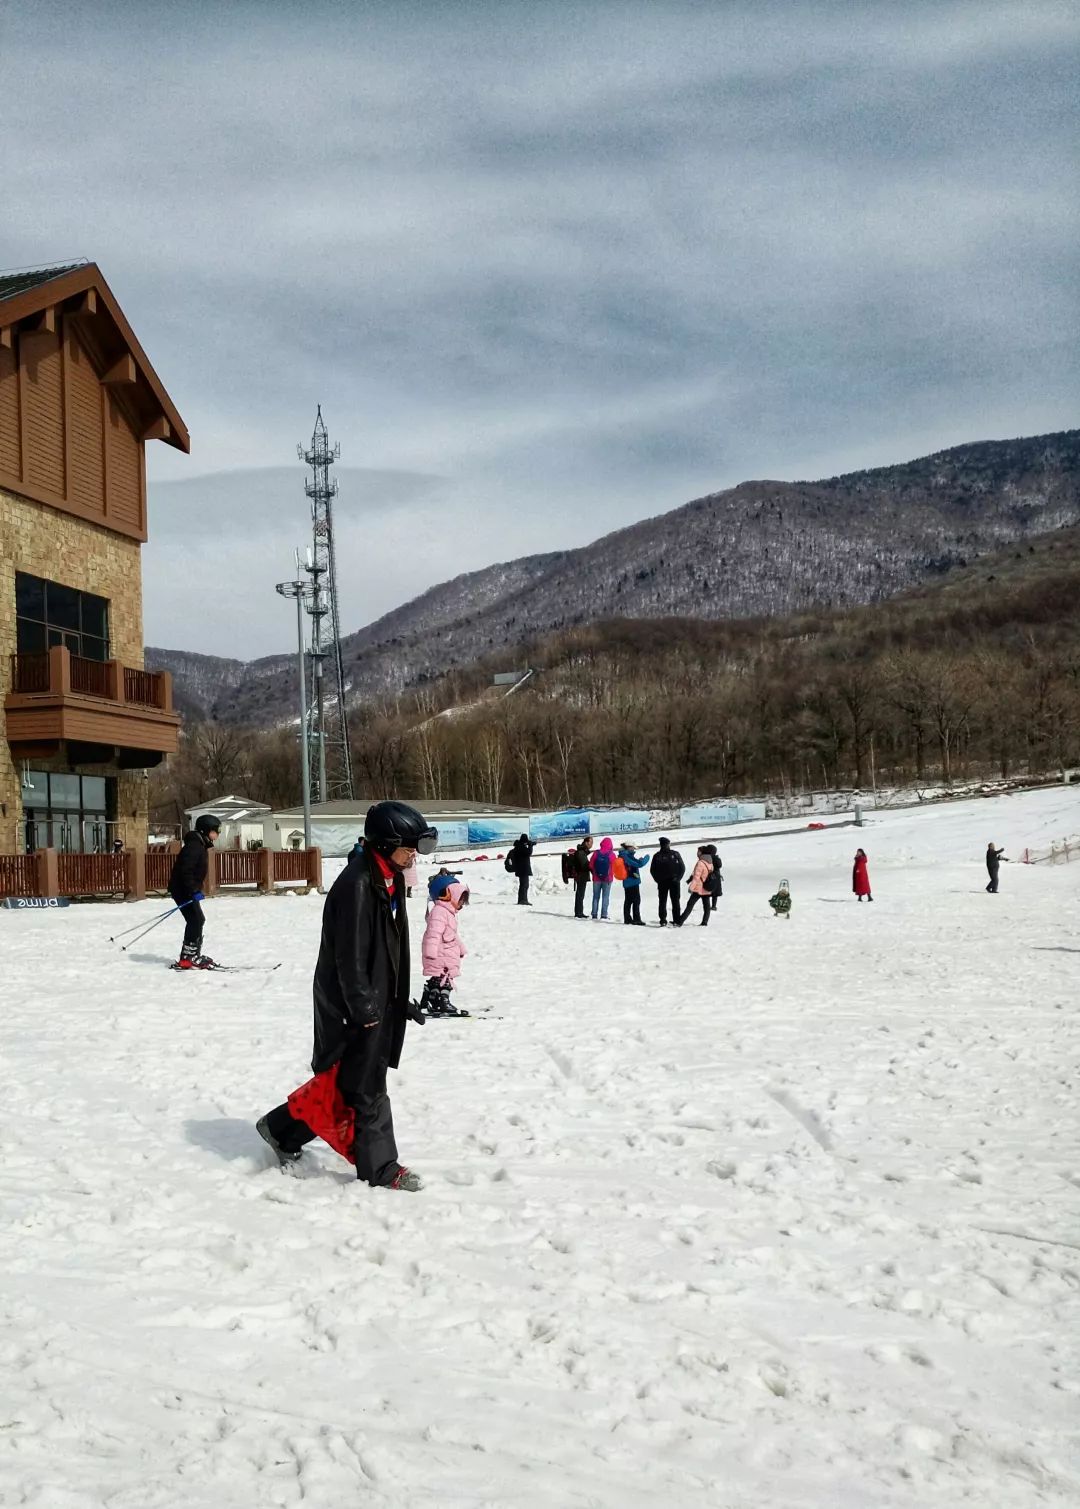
[427, 842]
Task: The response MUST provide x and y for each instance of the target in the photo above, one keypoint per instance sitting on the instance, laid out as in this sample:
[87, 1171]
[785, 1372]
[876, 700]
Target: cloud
[580, 263]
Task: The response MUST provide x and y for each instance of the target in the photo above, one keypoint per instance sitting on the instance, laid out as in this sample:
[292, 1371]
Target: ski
[230, 969]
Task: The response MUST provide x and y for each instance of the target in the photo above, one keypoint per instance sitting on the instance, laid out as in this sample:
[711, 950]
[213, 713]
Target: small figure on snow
[185, 887]
[632, 867]
[519, 863]
[668, 869]
[860, 876]
[361, 991]
[580, 874]
[781, 902]
[700, 882]
[716, 880]
[993, 862]
[442, 950]
[602, 869]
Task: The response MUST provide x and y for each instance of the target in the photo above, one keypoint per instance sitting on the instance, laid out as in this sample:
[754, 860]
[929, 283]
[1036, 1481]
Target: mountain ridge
[761, 547]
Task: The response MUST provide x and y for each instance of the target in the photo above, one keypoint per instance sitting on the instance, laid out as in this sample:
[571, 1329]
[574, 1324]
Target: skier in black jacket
[668, 869]
[186, 888]
[521, 859]
[361, 994]
[993, 863]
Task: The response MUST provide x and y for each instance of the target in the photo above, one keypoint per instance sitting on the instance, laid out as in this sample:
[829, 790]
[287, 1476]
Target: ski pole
[179, 908]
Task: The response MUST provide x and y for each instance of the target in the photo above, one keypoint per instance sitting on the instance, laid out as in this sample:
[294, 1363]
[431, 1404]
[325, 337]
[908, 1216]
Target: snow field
[777, 1213]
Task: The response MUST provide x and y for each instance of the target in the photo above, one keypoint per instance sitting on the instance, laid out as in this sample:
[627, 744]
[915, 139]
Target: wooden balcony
[101, 710]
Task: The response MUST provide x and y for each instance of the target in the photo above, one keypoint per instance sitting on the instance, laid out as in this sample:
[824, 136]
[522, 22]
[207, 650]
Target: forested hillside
[762, 548]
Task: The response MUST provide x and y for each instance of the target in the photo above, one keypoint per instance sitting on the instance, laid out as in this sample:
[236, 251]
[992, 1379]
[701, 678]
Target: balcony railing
[58, 672]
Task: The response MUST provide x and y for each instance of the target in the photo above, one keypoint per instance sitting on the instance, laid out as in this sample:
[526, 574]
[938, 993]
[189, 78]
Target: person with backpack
[716, 879]
[602, 869]
[578, 873]
[667, 870]
[519, 863]
[699, 887]
[628, 869]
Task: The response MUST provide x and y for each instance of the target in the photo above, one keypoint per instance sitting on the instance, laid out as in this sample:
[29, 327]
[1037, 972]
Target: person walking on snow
[716, 879]
[700, 881]
[631, 908]
[442, 950]
[602, 867]
[361, 999]
[521, 863]
[581, 874]
[186, 889]
[667, 870]
[860, 876]
[993, 862]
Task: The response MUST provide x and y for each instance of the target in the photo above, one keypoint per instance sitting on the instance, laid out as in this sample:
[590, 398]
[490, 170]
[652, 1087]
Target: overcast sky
[549, 268]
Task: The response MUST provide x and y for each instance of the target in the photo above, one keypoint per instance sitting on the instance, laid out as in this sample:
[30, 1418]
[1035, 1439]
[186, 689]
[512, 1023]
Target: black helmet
[207, 824]
[393, 825]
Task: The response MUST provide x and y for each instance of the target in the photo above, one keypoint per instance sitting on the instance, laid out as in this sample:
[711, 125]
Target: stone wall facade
[62, 548]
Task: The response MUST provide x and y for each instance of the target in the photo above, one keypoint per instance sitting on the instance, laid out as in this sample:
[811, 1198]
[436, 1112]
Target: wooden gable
[78, 401]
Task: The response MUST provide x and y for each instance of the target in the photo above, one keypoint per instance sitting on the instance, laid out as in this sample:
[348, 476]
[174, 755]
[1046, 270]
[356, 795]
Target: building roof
[28, 292]
[23, 278]
[230, 808]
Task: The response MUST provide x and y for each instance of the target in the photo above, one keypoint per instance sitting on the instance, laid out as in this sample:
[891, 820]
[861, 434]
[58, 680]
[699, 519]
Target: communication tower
[327, 730]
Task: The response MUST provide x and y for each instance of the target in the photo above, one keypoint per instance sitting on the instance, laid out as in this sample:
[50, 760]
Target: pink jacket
[411, 876]
[442, 950]
[700, 878]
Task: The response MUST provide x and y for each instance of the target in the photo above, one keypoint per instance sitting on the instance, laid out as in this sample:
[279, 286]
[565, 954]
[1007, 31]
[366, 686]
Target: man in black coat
[361, 994]
[993, 863]
[186, 883]
[582, 875]
[668, 869]
[521, 859]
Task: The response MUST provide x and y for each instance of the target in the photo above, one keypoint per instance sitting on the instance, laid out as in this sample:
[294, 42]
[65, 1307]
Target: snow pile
[771, 1214]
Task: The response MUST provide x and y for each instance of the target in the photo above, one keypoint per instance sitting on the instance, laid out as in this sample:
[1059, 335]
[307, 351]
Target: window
[73, 813]
[48, 613]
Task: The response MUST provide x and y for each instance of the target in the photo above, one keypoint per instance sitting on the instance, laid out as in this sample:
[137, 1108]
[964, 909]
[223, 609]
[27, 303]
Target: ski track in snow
[772, 1214]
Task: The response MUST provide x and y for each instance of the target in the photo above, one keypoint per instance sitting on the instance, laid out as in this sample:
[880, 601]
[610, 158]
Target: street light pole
[296, 589]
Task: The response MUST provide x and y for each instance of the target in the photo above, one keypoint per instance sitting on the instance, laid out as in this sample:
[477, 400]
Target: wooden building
[81, 720]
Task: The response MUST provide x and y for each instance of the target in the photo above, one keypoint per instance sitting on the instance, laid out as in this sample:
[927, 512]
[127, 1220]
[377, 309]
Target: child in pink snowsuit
[442, 950]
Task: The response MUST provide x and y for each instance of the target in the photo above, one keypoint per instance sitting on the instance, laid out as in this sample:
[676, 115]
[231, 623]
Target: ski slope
[773, 1215]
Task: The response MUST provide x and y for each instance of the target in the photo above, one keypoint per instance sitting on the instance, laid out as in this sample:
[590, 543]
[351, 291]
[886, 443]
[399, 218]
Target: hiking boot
[406, 1179]
[283, 1157]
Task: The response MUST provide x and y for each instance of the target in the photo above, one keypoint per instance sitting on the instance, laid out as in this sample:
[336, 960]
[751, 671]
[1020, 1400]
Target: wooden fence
[132, 874]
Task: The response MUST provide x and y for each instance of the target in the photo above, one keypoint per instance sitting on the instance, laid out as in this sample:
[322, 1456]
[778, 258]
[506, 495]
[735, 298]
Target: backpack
[568, 871]
[602, 868]
[621, 871]
[508, 865]
[715, 884]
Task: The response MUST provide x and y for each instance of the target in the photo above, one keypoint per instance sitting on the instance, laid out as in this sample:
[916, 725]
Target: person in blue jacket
[631, 905]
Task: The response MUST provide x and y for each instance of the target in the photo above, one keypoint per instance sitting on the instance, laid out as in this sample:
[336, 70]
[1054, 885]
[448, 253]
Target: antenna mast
[327, 722]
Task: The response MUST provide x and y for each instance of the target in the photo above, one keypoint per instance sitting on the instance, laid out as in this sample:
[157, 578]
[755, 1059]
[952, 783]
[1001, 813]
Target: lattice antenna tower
[328, 724]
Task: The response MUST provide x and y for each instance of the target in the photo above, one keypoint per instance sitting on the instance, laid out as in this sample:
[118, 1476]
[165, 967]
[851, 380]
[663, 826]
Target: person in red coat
[860, 876]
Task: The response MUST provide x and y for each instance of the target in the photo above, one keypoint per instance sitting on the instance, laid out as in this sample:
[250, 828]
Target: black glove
[414, 1014]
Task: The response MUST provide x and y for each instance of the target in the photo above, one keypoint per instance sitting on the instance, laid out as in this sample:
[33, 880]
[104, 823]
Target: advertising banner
[571, 823]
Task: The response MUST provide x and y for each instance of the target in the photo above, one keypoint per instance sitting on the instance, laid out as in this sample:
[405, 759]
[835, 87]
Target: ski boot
[189, 956]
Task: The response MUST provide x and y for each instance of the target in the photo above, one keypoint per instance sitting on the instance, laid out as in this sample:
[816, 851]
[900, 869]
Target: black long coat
[362, 975]
[188, 873]
[521, 856]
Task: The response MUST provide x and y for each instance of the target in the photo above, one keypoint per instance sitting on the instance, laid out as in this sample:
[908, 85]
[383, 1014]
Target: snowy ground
[774, 1214]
